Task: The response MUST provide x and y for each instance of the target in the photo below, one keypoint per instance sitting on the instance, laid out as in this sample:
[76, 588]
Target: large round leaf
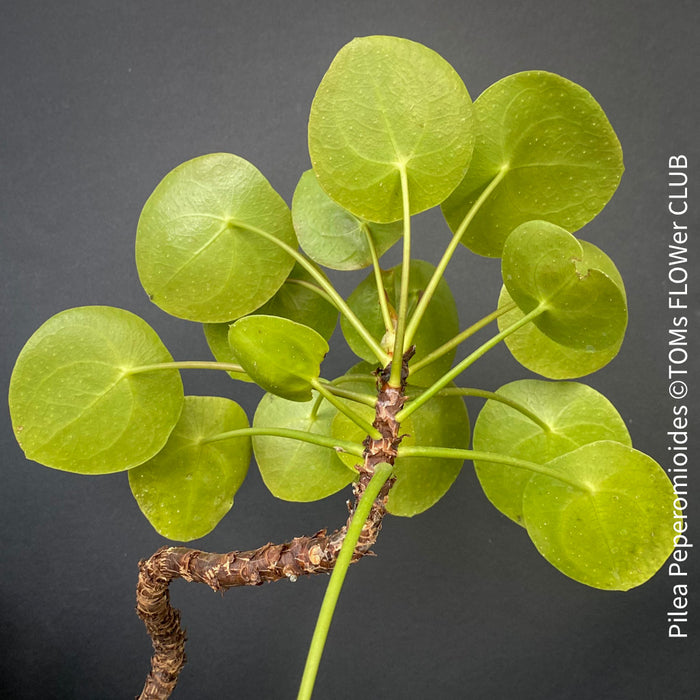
[293, 301]
[294, 470]
[386, 104]
[615, 529]
[539, 353]
[439, 324]
[281, 356]
[420, 481]
[198, 250]
[575, 415]
[553, 148]
[331, 235]
[545, 266]
[73, 403]
[187, 488]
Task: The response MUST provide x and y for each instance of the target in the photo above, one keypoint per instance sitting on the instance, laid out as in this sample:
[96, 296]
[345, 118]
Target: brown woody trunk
[303, 556]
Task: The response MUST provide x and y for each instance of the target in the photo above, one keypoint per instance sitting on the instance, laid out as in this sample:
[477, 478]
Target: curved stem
[326, 285]
[188, 364]
[461, 337]
[356, 396]
[447, 256]
[338, 445]
[346, 410]
[381, 292]
[466, 362]
[381, 474]
[314, 288]
[316, 407]
[474, 455]
[493, 396]
[395, 377]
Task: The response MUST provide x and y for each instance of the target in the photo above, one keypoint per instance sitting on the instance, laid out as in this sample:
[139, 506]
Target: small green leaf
[199, 252]
[439, 324]
[331, 235]
[386, 104]
[545, 266]
[615, 530]
[553, 148]
[73, 402]
[281, 356]
[293, 470]
[293, 301]
[420, 481]
[188, 487]
[575, 415]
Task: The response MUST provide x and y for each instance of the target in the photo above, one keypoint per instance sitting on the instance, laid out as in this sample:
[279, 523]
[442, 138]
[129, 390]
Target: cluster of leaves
[392, 132]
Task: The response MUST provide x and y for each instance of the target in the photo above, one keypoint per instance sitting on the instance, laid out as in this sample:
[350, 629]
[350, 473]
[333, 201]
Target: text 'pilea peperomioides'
[392, 132]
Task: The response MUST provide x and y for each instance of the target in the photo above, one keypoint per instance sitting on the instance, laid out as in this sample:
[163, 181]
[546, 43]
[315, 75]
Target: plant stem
[381, 474]
[188, 364]
[356, 396]
[326, 285]
[338, 445]
[314, 288]
[494, 396]
[466, 362]
[461, 337]
[455, 453]
[395, 377]
[345, 409]
[381, 292]
[447, 256]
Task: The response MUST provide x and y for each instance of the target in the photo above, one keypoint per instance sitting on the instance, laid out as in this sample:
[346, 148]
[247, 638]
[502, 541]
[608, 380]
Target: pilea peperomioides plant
[392, 132]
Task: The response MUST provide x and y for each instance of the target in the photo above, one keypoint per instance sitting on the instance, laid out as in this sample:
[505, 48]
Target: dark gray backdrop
[98, 101]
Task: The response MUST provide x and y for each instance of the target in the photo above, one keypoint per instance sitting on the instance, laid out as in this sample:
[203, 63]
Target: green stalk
[321, 440]
[381, 292]
[346, 410]
[493, 396]
[447, 256]
[455, 453]
[381, 473]
[461, 337]
[356, 396]
[308, 285]
[325, 284]
[466, 362]
[189, 364]
[395, 376]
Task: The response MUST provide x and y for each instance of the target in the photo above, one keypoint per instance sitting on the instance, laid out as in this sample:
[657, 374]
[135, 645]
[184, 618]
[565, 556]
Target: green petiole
[446, 257]
[395, 377]
[381, 473]
[464, 364]
[334, 444]
[345, 409]
[455, 453]
[381, 292]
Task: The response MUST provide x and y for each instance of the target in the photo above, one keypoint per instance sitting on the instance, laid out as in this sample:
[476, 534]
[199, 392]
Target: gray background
[98, 100]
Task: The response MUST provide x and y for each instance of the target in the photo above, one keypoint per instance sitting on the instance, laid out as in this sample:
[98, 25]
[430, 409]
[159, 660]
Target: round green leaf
[554, 149]
[281, 356]
[575, 415]
[293, 301]
[545, 266]
[386, 104]
[420, 481]
[73, 403]
[612, 531]
[540, 354]
[439, 324]
[331, 235]
[188, 487]
[293, 470]
[199, 252]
